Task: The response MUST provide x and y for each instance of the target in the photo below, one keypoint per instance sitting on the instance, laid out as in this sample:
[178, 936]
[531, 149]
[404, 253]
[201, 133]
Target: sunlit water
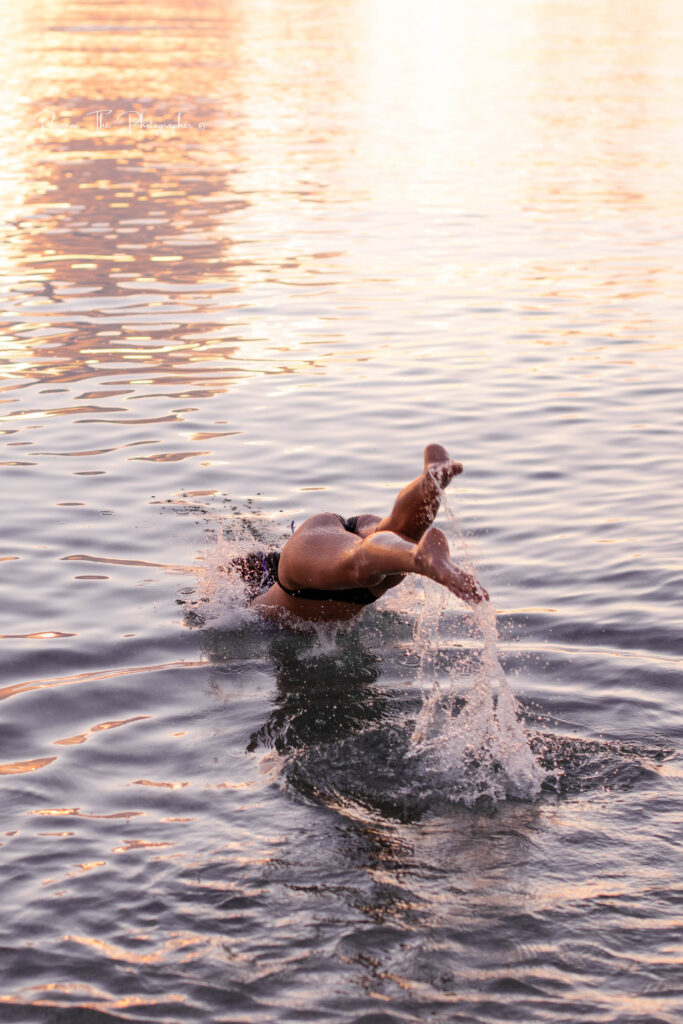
[298, 242]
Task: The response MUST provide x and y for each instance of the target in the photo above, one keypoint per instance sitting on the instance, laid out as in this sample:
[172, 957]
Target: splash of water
[222, 597]
[477, 748]
[221, 594]
[464, 746]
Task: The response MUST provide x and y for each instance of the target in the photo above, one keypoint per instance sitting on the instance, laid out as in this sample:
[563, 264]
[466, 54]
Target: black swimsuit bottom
[352, 595]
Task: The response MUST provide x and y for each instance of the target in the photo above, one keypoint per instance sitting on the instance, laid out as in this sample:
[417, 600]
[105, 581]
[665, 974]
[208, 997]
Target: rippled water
[298, 242]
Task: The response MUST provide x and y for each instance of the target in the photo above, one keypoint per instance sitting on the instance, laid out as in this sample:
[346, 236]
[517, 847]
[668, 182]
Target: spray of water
[468, 741]
[479, 749]
[222, 596]
[221, 593]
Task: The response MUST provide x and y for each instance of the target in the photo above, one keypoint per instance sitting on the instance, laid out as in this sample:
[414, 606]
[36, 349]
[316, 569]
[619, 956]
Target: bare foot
[417, 504]
[432, 559]
[439, 467]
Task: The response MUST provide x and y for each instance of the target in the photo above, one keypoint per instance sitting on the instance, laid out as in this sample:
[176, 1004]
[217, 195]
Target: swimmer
[331, 567]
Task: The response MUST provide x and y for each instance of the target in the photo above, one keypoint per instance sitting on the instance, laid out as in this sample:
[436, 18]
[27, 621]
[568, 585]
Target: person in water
[331, 567]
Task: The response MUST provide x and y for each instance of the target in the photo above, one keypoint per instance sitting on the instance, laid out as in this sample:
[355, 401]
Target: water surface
[297, 243]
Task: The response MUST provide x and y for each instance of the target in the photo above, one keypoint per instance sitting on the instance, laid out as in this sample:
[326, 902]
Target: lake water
[298, 242]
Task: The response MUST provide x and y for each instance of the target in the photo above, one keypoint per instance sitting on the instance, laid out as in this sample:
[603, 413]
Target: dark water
[307, 240]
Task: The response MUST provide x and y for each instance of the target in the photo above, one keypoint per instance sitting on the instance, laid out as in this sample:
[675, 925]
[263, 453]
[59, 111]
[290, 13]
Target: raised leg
[383, 554]
[417, 504]
[322, 555]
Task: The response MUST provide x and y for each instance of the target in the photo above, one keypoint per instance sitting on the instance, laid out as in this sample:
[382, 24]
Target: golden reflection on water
[21, 767]
[28, 686]
[140, 238]
[58, 812]
[102, 727]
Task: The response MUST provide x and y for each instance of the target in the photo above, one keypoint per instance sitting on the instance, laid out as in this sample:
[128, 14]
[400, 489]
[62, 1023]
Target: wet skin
[322, 555]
